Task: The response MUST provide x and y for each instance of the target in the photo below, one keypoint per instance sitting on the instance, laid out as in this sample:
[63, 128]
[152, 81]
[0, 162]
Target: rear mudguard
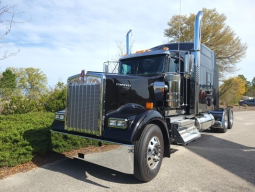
[138, 117]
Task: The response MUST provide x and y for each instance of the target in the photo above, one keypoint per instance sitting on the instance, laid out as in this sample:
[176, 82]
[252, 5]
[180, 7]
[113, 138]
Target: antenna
[107, 40]
[179, 27]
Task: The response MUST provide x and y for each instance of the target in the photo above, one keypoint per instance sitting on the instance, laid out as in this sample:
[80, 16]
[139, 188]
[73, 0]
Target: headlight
[56, 116]
[112, 123]
[118, 123]
[61, 117]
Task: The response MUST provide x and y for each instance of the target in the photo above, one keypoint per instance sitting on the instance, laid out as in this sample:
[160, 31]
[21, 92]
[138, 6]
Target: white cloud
[63, 37]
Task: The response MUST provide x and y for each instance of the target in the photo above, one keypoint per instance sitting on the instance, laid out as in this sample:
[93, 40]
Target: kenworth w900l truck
[161, 95]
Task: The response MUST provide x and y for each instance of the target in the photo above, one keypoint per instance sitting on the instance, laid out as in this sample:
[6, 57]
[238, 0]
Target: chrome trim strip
[119, 158]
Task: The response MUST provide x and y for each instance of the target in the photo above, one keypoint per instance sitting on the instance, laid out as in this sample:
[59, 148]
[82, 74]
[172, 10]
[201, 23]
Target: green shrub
[24, 135]
[51, 101]
[21, 105]
[55, 100]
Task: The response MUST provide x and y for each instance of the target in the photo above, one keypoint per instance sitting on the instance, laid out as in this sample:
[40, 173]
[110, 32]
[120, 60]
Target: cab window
[174, 65]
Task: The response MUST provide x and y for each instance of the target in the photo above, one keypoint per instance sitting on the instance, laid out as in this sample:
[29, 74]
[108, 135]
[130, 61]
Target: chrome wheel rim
[226, 121]
[231, 118]
[153, 152]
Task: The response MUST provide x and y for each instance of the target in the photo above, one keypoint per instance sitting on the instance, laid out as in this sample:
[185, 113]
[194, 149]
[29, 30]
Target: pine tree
[8, 79]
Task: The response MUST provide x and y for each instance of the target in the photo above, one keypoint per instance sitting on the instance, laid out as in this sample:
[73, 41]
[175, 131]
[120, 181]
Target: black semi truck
[165, 94]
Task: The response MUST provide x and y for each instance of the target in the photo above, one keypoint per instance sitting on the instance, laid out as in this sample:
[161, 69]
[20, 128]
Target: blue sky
[64, 37]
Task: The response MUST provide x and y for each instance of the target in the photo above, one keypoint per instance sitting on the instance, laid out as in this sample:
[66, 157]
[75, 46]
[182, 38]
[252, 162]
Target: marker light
[165, 48]
[149, 105]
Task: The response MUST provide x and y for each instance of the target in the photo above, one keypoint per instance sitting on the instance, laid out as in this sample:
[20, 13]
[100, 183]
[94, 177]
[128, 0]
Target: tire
[230, 118]
[225, 123]
[148, 153]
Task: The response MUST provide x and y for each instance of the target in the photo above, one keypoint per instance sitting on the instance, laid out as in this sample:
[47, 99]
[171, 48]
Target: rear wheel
[230, 118]
[148, 153]
[225, 123]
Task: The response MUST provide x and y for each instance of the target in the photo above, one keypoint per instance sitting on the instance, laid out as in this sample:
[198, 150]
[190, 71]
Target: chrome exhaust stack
[196, 53]
[127, 41]
[197, 31]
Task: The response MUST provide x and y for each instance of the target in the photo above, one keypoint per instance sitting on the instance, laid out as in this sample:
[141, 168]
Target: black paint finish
[123, 89]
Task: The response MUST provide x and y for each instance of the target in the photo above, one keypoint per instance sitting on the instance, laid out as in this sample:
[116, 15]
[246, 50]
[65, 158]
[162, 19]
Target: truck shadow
[82, 170]
[233, 157]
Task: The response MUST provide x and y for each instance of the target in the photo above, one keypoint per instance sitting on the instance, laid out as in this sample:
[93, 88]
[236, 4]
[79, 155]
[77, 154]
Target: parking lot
[214, 162]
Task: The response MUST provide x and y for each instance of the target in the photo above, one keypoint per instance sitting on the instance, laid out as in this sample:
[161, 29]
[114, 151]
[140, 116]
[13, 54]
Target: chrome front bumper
[120, 157]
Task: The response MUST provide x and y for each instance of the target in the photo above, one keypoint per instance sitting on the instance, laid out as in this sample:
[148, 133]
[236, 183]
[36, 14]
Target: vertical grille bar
[85, 104]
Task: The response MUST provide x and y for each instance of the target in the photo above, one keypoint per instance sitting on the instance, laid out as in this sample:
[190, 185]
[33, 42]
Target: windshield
[174, 65]
[143, 65]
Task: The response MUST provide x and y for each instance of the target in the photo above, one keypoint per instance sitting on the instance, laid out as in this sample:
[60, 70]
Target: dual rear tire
[228, 121]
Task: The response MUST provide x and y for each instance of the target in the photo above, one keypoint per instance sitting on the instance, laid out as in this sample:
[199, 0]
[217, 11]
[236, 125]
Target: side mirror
[188, 65]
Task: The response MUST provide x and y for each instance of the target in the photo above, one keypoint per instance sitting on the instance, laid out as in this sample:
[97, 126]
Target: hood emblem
[122, 85]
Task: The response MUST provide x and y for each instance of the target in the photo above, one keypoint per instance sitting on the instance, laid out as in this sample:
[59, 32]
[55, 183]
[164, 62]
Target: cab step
[184, 131]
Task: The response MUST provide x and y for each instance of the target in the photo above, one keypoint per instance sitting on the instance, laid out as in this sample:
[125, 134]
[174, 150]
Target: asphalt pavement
[214, 162]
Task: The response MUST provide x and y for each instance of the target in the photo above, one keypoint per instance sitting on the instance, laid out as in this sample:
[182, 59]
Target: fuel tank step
[184, 131]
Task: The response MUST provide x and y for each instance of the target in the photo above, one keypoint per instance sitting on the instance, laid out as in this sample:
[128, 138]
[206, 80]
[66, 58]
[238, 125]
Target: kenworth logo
[123, 85]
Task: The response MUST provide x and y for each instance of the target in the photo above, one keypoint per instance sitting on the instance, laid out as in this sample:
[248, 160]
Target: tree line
[234, 88]
[24, 90]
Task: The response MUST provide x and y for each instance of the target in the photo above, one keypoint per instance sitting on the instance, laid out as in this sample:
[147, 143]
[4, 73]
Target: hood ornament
[82, 75]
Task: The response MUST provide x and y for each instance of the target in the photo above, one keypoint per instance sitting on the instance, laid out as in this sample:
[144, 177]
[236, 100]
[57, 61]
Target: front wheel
[148, 153]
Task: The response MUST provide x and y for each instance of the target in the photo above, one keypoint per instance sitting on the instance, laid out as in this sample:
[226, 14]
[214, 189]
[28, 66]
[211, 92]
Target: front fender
[152, 117]
[137, 123]
[148, 117]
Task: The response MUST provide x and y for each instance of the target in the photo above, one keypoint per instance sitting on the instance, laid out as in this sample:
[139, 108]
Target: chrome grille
[84, 104]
